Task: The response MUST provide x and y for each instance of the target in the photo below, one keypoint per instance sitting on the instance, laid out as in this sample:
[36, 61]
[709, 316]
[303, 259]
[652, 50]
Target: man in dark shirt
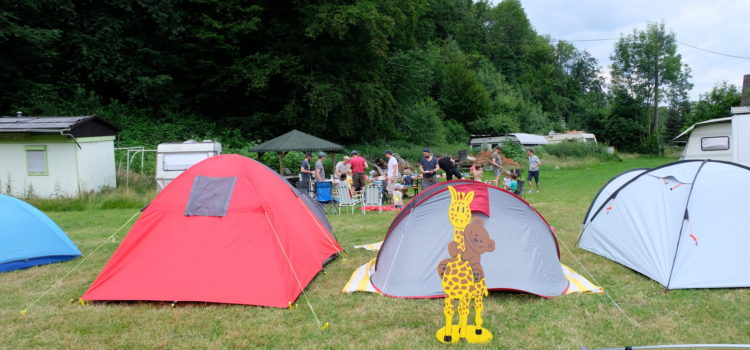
[304, 172]
[446, 163]
[428, 166]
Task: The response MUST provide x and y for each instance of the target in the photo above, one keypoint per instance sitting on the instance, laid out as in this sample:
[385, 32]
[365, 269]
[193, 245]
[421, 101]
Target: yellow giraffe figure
[462, 275]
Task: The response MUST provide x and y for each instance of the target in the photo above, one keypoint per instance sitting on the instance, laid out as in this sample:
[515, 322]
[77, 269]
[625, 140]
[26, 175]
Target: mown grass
[518, 321]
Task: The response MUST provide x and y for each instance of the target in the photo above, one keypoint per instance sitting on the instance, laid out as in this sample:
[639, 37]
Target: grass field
[362, 321]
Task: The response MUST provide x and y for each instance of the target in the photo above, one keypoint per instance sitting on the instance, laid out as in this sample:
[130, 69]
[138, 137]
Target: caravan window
[720, 143]
[182, 161]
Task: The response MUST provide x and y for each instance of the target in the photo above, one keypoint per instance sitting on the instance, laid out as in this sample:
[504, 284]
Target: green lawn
[361, 321]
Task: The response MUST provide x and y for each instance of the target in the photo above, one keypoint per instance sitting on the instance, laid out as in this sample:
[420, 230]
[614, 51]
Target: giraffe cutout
[462, 275]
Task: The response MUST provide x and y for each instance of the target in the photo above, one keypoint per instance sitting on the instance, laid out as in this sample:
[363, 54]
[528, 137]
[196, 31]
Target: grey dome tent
[526, 256]
[683, 224]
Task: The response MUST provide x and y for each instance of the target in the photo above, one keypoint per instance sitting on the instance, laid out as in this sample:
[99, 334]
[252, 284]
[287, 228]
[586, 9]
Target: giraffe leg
[463, 313]
[446, 334]
[480, 335]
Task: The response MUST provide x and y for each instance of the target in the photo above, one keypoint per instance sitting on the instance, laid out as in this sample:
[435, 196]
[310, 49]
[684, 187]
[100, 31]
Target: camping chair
[345, 198]
[373, 195]
[519, 188]
[325, 197]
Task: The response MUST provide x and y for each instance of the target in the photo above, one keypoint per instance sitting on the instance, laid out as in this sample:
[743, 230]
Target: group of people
[351, 171]
[510, 182]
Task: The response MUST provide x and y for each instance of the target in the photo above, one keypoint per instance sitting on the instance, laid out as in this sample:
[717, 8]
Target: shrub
[578, 150]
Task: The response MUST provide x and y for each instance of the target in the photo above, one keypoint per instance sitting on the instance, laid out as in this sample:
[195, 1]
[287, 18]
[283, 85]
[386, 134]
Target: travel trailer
[487, 143]
[574, 135]
[725, 139]
[174, 158]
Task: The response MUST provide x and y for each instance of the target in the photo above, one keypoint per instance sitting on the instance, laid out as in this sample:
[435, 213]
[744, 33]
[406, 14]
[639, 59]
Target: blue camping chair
[324, 196]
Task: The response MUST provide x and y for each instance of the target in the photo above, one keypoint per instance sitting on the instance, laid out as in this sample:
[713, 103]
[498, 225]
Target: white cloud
[718, 25]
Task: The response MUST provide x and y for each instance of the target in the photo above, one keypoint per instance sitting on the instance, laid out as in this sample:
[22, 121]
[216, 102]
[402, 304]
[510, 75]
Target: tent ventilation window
[720, 143]
[210, 196]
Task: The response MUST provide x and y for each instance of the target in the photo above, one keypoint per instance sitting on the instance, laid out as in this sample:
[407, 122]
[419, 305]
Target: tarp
[29, 238]
[267, 247]
[526, 257]
[682, 224]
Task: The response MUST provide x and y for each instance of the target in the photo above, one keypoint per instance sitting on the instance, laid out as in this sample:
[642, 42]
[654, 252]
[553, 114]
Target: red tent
[228, 230]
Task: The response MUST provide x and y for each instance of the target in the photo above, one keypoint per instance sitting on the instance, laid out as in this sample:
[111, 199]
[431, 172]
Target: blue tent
[29, 238]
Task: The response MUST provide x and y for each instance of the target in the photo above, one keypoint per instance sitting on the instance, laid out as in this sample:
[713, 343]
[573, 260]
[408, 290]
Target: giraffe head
[459, 211]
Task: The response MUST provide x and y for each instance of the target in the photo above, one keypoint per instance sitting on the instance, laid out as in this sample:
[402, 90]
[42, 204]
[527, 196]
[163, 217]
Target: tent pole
[677, 346]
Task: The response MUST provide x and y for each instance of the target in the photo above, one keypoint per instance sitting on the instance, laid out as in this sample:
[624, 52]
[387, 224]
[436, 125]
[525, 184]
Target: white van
[174, 158]
[720, 139]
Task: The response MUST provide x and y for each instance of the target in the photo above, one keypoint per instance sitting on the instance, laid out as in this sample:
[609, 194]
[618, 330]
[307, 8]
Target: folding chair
[373, 195]
[519, 188]
[345, 198]
[324, 197]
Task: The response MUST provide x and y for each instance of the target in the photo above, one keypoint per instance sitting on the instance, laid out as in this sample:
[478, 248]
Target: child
[476, 171]
[513, 186]
[397, 196]
[507, 179]
[347, 182]
[377, 181]
[408, 180]
[349, 177]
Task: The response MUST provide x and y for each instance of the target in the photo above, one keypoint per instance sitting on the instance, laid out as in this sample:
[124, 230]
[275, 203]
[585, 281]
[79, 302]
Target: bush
[578, 150]
[514, 150]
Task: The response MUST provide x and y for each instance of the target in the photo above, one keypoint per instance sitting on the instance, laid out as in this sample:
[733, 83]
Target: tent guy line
[317, 320]
[597, 282]
[85, 257]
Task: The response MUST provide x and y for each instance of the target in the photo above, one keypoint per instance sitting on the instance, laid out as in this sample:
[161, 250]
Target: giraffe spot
[455, 279]
[464, 281]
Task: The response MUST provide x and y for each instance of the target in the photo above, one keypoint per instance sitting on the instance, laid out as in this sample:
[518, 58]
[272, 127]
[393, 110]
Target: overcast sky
[717, 25]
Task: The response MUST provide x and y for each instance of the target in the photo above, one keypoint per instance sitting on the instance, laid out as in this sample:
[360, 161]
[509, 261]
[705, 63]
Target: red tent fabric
[268, 246]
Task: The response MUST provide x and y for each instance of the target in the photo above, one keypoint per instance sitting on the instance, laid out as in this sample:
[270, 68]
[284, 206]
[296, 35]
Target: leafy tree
[646, 65]
[715, 103]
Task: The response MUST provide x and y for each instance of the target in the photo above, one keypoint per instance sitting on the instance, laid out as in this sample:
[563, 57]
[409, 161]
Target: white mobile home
[52, 157]
[487, 143]
[720, 139]
[580, 136]
[175, 157]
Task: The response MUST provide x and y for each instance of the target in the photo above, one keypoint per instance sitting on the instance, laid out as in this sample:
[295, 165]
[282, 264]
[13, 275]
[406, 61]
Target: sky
[717, 25]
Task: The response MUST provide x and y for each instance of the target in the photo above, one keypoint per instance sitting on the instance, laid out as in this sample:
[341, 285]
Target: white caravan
[579, 136]
[720, 139]
[174, 158]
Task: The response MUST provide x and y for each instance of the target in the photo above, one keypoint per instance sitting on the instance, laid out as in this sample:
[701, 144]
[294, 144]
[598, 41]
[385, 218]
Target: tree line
[359, 71]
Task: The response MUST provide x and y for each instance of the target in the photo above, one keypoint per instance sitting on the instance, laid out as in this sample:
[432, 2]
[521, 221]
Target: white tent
[684, 224]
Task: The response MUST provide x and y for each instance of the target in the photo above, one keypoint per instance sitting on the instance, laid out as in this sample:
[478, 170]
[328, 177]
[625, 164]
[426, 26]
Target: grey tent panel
[210, 196]
[525, 256]
[682, 224]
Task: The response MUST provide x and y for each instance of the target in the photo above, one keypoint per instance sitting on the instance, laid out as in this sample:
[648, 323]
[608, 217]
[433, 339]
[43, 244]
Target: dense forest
[355, 71]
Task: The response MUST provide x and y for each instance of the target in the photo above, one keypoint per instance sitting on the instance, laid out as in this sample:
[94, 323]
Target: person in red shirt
[358, 165]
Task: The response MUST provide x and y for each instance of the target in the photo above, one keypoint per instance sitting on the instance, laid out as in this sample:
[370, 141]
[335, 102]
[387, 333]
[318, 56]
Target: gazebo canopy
[296, 140]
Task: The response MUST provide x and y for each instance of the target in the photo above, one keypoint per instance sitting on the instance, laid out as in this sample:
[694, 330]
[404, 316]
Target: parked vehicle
[725, 138]
[175, 157]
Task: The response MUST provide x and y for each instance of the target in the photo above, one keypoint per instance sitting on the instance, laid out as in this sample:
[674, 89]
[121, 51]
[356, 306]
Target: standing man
[320, 173]
[428, 166]
[534, 164]
[446, 163]
[497, 163]
[341, 168]
[358, 165]
[305, 172]
[392, 173]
